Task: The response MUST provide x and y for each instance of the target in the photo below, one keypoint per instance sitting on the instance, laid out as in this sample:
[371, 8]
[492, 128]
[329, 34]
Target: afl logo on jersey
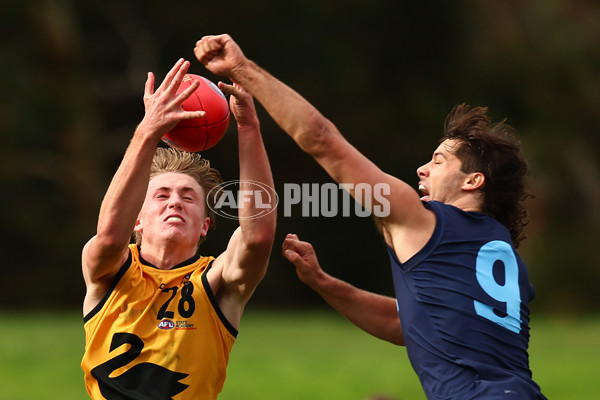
[166, 324]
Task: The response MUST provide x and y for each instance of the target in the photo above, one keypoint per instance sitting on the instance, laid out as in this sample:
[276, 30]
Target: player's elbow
[109, 243]
[317, 137]
[261, 240]
[391, 331]
[397, 339]
[392, 336]
[396, 336]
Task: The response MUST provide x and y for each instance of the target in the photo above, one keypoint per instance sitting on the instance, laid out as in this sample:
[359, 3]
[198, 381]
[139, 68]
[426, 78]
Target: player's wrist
[244, 72]
[148, 133]
[320, 282]
[248, 125]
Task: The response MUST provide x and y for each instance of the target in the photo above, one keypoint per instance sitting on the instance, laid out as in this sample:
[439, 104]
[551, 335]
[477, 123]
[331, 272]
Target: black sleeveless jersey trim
[116, 280]
[215, 304]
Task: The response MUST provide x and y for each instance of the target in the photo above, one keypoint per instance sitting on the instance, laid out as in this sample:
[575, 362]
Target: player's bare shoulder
[410, 224]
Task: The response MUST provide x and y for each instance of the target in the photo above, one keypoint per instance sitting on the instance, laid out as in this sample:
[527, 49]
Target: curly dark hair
[495, 151]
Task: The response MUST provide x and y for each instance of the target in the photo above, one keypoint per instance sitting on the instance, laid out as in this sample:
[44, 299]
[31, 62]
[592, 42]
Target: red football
[199, 134]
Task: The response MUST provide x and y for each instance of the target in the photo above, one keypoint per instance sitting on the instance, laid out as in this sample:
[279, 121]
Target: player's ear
[205, 226]
[474, 181]
[138, 225]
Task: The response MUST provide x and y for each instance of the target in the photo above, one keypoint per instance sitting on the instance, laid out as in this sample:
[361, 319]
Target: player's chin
[174, 232]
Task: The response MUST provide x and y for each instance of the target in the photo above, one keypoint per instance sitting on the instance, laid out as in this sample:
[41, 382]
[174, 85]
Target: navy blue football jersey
[463, 305]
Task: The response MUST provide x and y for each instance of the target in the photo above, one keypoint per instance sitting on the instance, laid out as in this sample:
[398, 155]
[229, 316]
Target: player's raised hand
[241, 103]
[220, 54]
[303, 256]
[163, 106]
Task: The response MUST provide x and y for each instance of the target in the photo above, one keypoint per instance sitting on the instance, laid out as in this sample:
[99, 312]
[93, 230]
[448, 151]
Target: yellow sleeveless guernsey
[157, 334]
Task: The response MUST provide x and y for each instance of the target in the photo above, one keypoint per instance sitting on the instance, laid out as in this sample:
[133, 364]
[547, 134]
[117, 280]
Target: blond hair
[172, 160]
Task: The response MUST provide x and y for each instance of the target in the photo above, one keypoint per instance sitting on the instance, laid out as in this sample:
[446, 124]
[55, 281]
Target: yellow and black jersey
[157, 334]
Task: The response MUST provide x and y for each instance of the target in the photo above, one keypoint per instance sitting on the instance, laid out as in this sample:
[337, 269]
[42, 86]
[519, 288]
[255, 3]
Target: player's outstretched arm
[314, 133]
[107, 250]
[319, 137]
[373, 313]
[243, 265]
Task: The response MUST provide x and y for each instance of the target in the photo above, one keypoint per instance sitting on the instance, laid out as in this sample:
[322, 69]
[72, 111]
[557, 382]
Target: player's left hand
[241, 103]
[304, 258]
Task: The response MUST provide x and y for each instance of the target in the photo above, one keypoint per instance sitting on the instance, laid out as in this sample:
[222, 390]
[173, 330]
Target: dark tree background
[385, 71]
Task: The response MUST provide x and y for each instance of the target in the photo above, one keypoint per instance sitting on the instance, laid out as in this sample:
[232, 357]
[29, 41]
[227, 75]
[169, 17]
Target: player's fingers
[210, 47]
[291, 239]
[199, 51]
[289, 244]
[206, 49]
[293, 257]
[292, 242]
[171, 74]
[230, 89]
[213, 44]
[193, 114]
[286, 245]
[149, 87]
[204, 58]
[204, 40]
[178, 78]
[187, 92]
[178, 101]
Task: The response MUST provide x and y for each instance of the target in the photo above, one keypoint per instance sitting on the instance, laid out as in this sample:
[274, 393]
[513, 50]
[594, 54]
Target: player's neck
[166, 256]
[471, 202]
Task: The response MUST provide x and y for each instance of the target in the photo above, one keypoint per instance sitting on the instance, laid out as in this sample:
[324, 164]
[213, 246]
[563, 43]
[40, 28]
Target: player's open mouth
[425, 192]
[174, 218]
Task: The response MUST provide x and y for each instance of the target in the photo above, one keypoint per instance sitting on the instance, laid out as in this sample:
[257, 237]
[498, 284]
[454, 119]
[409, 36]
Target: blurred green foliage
[386, 72]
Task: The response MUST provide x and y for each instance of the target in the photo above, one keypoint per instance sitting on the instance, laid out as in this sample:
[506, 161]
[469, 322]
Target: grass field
[295, 356]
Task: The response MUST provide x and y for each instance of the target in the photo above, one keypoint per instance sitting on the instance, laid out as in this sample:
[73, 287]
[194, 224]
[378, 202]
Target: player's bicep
[242, 266]
[100, 263]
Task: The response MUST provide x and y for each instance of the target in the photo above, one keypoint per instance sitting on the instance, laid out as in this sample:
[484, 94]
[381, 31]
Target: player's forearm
[125, 195]
[373, 313]
[257, 219]
[311, 131]
[294, 114]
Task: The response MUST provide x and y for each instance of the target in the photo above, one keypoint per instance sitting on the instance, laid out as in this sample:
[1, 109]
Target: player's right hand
[163, 105]
[220, 55]
[241, 103]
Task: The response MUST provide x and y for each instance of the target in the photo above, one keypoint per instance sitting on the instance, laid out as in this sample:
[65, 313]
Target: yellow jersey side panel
[157, 333]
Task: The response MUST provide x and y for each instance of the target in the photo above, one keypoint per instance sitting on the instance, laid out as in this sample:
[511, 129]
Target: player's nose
[175, 202]
[422, 170]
